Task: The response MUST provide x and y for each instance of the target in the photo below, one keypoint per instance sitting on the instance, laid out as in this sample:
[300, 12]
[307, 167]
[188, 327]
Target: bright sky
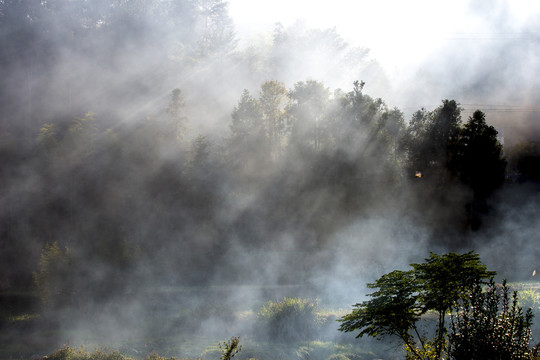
[399, 33]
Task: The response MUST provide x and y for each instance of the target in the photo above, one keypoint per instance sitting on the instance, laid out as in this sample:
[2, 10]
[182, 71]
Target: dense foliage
[489, 324]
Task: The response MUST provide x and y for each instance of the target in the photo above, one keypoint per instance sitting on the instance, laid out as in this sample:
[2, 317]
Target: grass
[312, 351]
[180, 331]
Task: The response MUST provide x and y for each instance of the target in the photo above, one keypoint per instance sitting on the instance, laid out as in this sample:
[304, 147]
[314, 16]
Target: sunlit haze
[177, 173]
[398, 33]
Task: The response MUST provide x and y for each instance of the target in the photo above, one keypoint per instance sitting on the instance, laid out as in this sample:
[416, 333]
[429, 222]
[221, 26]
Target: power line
[499, 108]
[483, 108]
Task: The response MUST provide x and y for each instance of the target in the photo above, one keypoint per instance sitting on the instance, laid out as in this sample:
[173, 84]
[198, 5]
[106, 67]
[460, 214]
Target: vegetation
[484, 325]
[289, 320]
[93, 175]
[141, 150]
[68, 353]
[230, 349]
[491, 325]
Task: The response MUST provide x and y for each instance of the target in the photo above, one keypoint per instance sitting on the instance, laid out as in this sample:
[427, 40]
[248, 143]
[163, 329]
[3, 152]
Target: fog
[139, 212]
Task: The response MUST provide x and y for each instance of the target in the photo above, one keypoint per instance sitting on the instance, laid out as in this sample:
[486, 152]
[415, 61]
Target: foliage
[392, 311]
[395, 309]
[274, 100]
[449, 155]
[230, 348]
[430, 139]
[490, 325]
[478, 159]
[290, 319]
[308, 113]
[445, 279]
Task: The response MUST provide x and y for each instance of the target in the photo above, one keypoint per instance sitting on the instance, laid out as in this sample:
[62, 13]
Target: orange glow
[418, 174]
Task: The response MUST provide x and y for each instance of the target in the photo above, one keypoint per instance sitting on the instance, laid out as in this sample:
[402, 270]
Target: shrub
[290, 319]
[490, 325]
[230, 348]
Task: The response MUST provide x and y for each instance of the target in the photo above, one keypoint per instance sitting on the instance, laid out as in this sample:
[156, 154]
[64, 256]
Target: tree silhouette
[479, 160]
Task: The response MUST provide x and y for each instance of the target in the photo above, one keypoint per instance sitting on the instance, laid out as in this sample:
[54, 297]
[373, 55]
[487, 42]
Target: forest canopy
[134, 133]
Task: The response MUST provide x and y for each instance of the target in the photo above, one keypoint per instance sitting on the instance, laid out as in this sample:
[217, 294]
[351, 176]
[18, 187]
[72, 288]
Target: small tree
[438, 285]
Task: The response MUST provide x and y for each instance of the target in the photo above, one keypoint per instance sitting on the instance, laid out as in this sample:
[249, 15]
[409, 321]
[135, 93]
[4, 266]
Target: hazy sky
[399, 33]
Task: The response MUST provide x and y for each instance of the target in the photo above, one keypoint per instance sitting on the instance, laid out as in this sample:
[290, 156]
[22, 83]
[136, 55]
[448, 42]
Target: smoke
[163, 233]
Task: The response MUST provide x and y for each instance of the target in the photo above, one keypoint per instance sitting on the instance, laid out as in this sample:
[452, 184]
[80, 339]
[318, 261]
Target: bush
[290, 319]
[490, 325]
[230, 348]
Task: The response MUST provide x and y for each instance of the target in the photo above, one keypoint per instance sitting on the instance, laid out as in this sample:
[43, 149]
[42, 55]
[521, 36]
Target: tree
[217, 28]
[310, 101]
[391, 126]
[444, 280]
[403, 297]
[178, 119]
[414, 141]
[356, 119]
[248, 146]
[393, 310]
[246, 119]
[479, 160]
[274, 99]
[430, 140]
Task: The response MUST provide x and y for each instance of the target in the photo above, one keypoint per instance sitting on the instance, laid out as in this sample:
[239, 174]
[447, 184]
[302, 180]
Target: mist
[165, 175]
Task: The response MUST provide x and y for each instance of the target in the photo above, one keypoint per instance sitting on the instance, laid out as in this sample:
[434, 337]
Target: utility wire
[483, 107]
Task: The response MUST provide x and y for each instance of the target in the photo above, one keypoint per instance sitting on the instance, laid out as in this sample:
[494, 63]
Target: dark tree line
[298, 162]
